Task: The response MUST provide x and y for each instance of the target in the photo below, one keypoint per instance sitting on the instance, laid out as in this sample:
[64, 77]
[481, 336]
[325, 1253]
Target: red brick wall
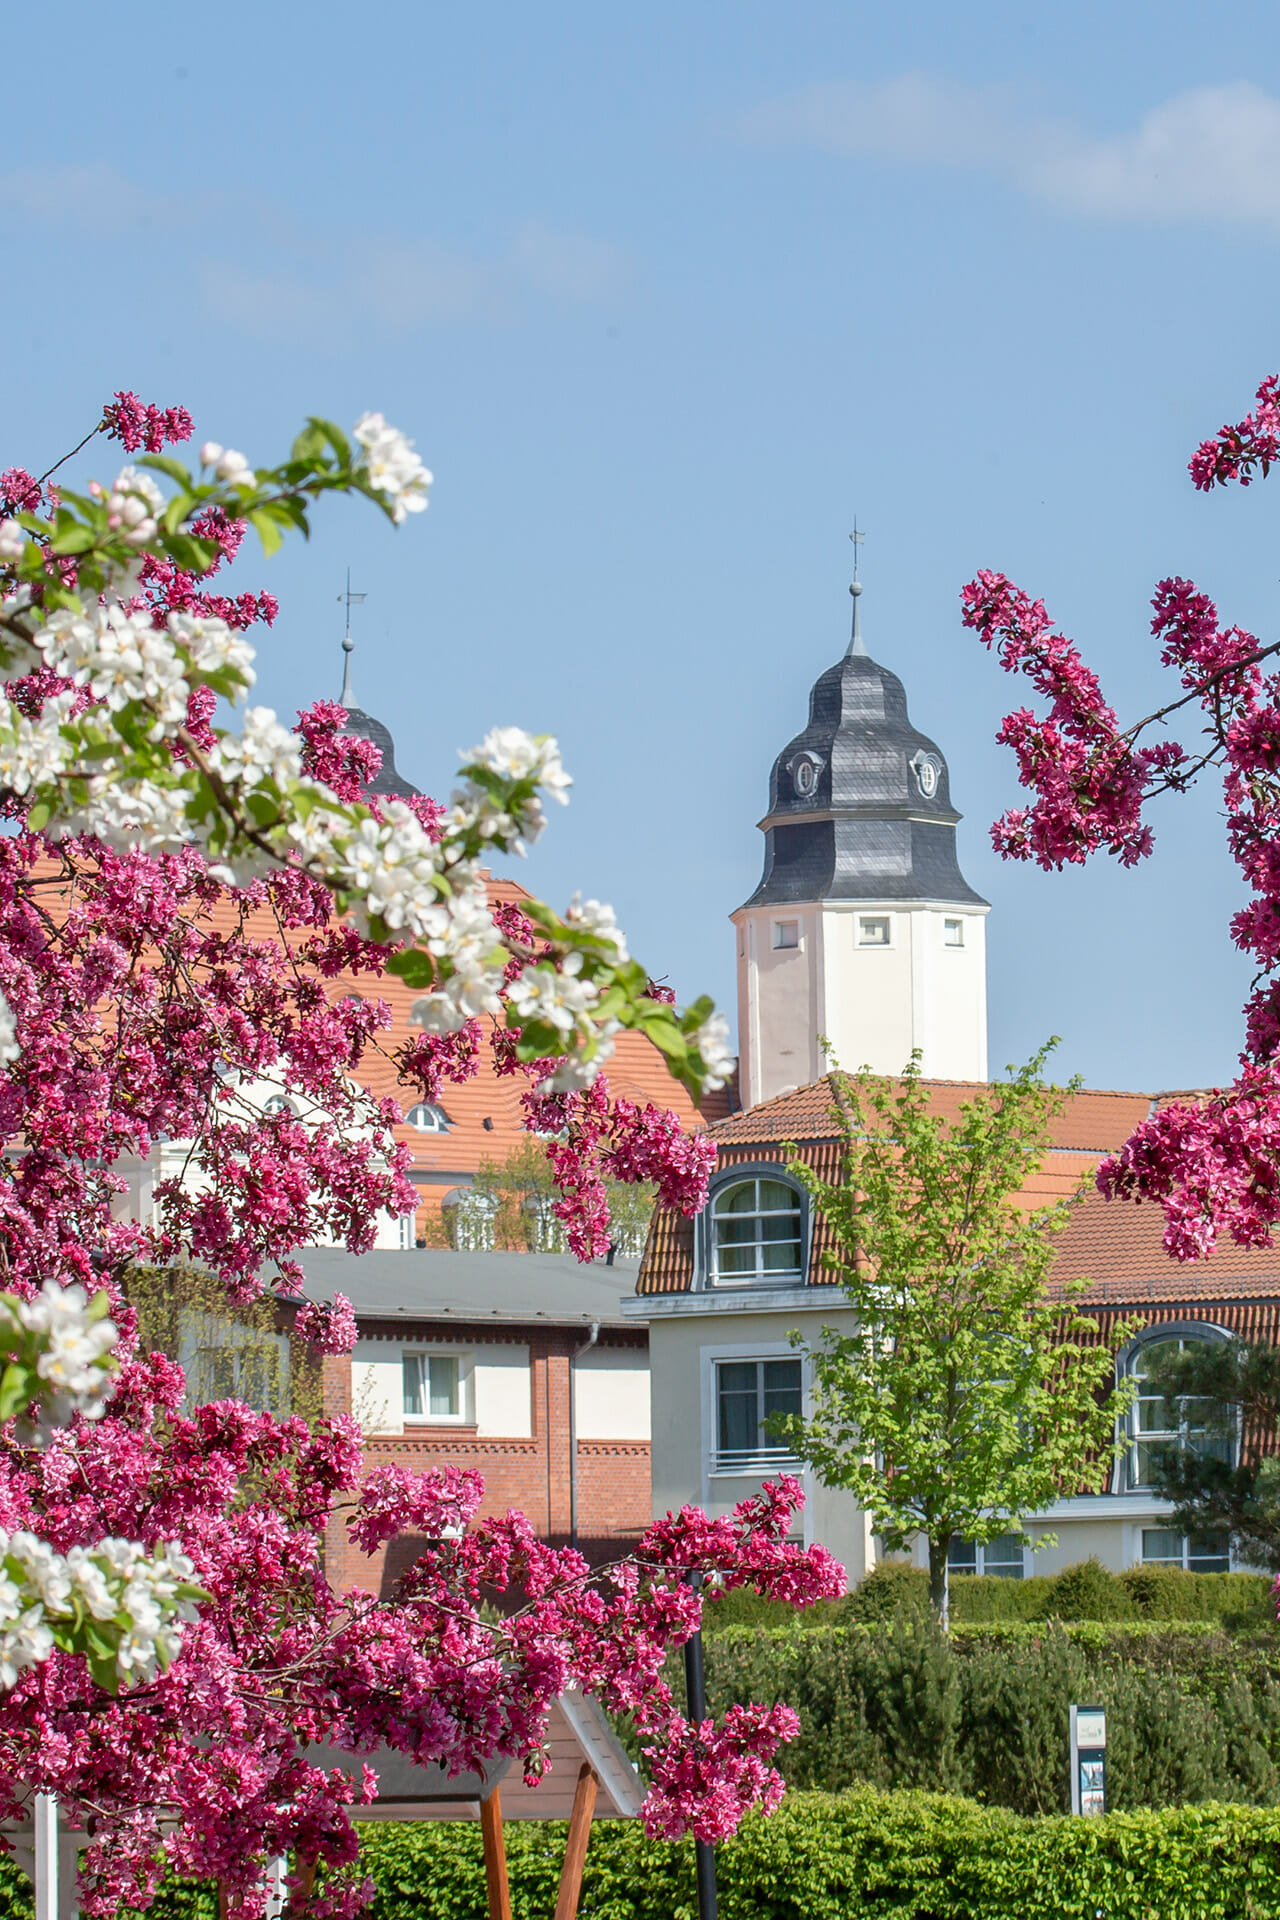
[530, 1474]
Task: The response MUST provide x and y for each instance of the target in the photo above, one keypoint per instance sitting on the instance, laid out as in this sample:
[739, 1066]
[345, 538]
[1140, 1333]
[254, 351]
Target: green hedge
[1239, 1602]
[894, 1856]
[1194, 1715]
[853, 1856]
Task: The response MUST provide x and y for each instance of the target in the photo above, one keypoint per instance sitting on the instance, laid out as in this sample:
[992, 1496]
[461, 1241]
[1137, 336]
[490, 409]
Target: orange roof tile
[1118, 1246]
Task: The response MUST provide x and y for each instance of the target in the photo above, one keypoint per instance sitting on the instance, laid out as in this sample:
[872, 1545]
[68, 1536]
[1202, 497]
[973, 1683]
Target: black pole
[695, 1682]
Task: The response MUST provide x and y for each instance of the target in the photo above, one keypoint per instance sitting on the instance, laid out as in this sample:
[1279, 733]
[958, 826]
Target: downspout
[574, 1358]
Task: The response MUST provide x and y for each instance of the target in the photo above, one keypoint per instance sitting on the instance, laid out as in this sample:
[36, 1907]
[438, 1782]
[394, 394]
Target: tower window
[953, 933]
[873, 930]
[786, 933]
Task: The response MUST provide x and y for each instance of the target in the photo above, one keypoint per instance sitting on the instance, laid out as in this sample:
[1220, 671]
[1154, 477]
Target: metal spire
[347, 697]
[856, 647]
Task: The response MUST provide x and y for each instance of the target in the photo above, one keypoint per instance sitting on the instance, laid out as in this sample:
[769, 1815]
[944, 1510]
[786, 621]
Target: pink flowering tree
[180, 903]
[1212, 1164]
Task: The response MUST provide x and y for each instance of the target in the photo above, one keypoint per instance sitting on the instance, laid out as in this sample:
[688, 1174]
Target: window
[755, 1232]
[1158, 1426]
[1196, 1552]
[786, 933]
[747, 1393]
[873, 930]
[408, 1231]
[469, 1214]
[953, 933]
[428, 1118]
[432, 1386]
[224, 1360]
[280, 1104]
[1002, 1558]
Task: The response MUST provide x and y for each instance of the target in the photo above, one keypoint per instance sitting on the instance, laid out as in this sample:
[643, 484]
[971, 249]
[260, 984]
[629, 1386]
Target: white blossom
[13, 539]
[577, 1070]
[210, 453]
[263, 750]
[74, 1347]
[712, 1042]
[213, 646]
[558, 996]
[392, 465]
[594, 916]
[234, 468]
[518, 755]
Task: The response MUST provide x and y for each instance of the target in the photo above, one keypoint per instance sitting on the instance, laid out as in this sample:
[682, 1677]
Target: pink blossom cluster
[1089, 780]
[327, 1326]
[593, 1138]
[1235, 451]
[136, 424]
[1213, 1163]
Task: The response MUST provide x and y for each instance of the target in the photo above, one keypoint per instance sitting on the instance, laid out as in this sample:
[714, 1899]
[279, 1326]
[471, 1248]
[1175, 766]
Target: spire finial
[855, 588]
[347, 697]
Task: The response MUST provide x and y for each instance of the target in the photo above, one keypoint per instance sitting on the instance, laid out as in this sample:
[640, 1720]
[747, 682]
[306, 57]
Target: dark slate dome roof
[388, 780]
[860, 802]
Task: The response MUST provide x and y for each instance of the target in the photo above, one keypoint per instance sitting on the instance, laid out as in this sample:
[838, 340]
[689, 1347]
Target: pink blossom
[136, 424]
[327, 1326]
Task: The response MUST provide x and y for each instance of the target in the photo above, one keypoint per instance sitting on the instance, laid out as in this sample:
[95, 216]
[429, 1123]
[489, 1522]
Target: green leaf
[174, 469]
[412, 966]
[267, 530]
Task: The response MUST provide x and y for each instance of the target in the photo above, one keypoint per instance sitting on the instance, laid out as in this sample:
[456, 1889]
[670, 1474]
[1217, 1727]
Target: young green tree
[968, 1398]
[1216, 1394]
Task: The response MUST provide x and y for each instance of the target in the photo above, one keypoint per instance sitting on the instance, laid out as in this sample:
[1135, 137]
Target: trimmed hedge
[854, 1856]
[1238, 1602]
[1193, 1715]
[894, 1856]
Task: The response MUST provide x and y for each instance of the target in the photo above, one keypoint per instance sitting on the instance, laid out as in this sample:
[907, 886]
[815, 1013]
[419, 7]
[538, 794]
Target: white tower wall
[877, 978]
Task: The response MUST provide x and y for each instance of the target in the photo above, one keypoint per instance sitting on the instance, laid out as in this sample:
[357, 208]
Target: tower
[388, 780]
[863, 931]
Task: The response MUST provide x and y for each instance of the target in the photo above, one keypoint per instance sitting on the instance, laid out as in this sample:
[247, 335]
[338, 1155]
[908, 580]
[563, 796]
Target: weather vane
[348, 644]
[855, 588]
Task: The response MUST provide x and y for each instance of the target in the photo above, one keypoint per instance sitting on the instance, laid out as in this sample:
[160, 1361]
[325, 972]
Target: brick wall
[528, 1473]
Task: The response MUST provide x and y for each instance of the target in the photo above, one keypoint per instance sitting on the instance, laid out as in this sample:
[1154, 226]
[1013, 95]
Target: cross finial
[347, 697]
[855, 588]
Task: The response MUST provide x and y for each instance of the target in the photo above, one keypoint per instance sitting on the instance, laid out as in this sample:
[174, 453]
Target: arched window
[1160, 1427]
[755, 1232]
[428, 1118]
[281, 1104]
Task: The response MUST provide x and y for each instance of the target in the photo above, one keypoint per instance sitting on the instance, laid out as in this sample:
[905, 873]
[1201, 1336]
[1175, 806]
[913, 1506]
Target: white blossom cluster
[142, 1600]
[520, 758]
[392, 465]
[227, 465]
[72, 1343]
[712, 1042]
[594, 916]
[134, 506]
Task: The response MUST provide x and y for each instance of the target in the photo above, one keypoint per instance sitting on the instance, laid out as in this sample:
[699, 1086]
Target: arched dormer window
[756, 1230]
[1160, 1426]
[428, 1118]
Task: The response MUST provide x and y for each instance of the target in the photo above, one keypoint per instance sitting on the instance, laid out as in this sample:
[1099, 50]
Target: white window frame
[782, 1277]
[465, 1416]
[885, 920]
[1159, 1526]
[1202, 1332]
[980, 1561]
[715, 1493]
[949, 925]
[440, 1122]
[780, 945]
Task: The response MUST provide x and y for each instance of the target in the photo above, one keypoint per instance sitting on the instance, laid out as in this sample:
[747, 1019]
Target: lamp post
[695, 1682]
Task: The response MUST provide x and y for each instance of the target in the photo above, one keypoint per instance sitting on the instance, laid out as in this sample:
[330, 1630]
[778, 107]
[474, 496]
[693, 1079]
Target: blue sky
[665, 296]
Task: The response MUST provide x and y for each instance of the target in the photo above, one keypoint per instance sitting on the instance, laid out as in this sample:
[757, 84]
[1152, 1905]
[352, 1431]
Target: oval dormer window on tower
[805, 768]
[928, 772]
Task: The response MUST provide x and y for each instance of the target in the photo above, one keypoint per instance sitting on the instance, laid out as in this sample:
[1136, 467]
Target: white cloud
[257, 268]
[1209, 154]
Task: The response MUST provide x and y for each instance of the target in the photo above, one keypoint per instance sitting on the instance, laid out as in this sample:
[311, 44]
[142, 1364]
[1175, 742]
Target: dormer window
[281, 1107]
[428, 1118]
[755, 1232]
[786, 933]
[873, 930]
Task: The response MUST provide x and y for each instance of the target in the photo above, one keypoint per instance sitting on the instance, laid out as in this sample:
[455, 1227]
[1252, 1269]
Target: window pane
[1003, 1557]
[781, 1388]
[443, 1375]
[737, 1260]
[777, 1198]
[962, 1556]
[738, 1419]
[1209, 1552]
[413, 1383]
[783, 1257]
[786, 933]
[873, 933]
[737, 1199]
[1161, 1546]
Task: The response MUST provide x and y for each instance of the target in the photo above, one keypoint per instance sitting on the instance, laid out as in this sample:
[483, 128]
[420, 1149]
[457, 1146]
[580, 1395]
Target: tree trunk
[939, 1586]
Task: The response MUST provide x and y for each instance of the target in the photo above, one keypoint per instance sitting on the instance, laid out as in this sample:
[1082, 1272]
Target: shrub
[1087, 1591]
[894, 1856]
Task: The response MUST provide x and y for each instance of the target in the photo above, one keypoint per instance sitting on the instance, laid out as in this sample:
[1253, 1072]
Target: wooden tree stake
[495, 1857]
[575, 1853]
